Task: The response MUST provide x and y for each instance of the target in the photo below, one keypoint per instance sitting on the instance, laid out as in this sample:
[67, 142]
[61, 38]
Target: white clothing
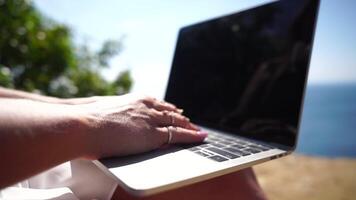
[74, 180]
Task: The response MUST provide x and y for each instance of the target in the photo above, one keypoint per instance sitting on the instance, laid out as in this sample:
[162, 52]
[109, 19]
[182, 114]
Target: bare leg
[239, 185]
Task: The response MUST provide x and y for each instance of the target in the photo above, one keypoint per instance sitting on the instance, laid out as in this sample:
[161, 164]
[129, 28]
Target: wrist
[73, 130]
[85, 128]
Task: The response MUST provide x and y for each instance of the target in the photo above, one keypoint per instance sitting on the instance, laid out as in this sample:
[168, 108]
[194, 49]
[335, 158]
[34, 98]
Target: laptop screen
[245, 73]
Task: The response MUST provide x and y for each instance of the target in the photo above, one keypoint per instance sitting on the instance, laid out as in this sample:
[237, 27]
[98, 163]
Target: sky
[149, 30]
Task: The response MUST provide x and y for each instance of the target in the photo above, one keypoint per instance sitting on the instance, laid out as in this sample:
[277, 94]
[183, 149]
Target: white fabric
[78, 179]
[18, 193]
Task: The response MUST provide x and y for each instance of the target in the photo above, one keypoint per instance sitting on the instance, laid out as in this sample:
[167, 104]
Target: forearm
[36, 136]
[17, 94]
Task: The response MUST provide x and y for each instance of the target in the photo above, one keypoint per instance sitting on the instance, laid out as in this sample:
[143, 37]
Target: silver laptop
[241, 78]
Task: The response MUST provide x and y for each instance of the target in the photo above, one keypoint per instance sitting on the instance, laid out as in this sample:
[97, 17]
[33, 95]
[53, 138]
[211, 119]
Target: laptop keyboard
[222, 148]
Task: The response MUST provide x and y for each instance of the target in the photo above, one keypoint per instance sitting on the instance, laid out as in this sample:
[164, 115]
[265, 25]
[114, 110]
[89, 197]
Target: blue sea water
[328, 125]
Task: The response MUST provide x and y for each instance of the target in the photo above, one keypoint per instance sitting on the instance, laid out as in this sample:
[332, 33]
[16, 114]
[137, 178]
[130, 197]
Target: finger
[173, 106]
[160, 105]
[181, 135]
[166, 118]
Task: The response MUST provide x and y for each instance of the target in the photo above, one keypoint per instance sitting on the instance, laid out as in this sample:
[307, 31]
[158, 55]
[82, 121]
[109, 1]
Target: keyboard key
[260, 148]
[264, 148]
[212, 137]
[237, 151]
[226, 143]
[212, 140]
[223, 153]
[238, 146]
[251, 150]
[202, 153]
[217, 145]
[204, 145]
[194, 148]
[228, 139]
[187, 146]
[218, 158]
[208, 152]
[240, 142]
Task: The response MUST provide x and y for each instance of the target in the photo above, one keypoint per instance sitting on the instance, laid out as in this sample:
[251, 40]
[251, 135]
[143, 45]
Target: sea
[328, 126]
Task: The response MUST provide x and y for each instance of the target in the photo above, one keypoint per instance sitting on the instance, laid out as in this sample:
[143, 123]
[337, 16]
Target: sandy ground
[297, 177]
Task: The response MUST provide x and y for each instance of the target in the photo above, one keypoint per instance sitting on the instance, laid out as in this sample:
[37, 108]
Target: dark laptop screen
[245, 73]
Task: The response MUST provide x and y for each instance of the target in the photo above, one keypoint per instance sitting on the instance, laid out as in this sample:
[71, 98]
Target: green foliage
[109, 49]
[37, 53]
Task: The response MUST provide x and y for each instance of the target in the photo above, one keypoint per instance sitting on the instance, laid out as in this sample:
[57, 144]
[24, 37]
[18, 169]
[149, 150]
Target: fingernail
[202, 133]
[180, 111]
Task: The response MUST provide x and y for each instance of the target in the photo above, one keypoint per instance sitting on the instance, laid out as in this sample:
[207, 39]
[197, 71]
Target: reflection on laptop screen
[245, 73]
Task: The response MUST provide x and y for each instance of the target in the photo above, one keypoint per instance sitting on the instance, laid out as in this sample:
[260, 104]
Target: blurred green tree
[39, 55]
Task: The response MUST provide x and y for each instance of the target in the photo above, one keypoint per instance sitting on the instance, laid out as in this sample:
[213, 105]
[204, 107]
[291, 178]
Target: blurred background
[89, 47]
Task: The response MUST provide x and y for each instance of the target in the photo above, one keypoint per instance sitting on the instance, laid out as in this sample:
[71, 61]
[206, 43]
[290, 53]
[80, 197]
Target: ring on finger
[170, 135]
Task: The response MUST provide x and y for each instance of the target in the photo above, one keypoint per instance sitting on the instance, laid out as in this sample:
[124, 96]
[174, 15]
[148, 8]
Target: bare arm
[17, 94]
[36, 136]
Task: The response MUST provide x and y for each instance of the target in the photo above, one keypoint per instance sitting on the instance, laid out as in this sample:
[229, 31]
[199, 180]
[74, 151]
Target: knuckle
[140, 100]
[153, 113]
[157, 113]
[130, 109]
[147, 99]
[178, 130]
[141, 104]
[181, 118]
[169, 104]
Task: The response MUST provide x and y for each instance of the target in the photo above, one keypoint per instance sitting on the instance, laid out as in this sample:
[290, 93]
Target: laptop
[239, 77]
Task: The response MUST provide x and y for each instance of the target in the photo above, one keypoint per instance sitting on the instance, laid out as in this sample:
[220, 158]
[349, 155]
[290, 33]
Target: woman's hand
[129, 124]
